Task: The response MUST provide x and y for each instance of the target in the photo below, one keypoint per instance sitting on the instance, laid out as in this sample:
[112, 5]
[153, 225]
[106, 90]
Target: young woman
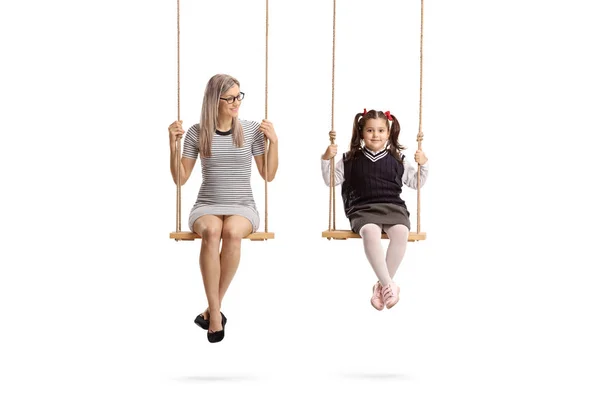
[224, 211]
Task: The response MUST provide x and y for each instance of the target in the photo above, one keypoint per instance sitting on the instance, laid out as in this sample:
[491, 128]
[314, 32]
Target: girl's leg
[371, 235]
[210, 228]
[398, 235]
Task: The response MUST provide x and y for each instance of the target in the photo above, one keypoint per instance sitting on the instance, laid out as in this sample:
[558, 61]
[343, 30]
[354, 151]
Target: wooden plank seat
[256, 236]
[347, 234]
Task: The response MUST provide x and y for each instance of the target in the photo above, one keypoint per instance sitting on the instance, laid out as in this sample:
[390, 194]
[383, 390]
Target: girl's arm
[339, 171]
[409, 178]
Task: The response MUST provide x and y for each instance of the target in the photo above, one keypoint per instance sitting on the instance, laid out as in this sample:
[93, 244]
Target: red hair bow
[364, 112]
[388, 115]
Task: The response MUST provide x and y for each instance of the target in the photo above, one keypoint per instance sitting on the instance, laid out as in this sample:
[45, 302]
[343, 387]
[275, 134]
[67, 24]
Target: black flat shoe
[217, 336]
[201, 322]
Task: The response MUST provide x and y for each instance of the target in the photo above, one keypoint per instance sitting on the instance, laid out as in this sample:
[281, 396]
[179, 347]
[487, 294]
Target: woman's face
[227, 109]
[375, 134]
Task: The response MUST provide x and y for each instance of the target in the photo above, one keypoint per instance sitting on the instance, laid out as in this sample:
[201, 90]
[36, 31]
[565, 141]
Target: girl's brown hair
[359, 123]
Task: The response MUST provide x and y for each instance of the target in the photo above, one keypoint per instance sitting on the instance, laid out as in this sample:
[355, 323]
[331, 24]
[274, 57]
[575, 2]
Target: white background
[501, 300]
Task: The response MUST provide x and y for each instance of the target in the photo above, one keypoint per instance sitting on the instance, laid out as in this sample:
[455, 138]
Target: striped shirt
[226, 174]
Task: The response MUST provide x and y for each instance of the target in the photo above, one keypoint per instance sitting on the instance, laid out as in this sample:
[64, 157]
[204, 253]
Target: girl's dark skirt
[379, 214]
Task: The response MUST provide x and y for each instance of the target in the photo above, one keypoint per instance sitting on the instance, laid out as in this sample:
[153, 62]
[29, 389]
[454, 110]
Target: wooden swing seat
[187, 235]
[256, 236]
[347, 234]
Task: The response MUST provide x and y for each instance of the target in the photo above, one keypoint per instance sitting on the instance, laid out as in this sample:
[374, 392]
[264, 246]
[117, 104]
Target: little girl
[372, 174]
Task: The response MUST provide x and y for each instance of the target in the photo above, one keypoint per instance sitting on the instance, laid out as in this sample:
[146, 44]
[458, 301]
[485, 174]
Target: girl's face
[375, 134]
[227, 109]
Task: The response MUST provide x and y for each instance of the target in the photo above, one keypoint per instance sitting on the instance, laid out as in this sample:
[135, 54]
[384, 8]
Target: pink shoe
[391, 294]
[377, 300]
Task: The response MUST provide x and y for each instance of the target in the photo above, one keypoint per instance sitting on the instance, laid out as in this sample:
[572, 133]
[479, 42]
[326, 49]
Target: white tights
[385, 267]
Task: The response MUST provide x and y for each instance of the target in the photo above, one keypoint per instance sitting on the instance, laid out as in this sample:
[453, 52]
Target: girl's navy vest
[369, 182]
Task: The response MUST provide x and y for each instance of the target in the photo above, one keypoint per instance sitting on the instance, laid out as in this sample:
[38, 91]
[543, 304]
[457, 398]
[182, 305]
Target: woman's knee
[211, 233]
[235, 228]
[209, 227]
[233, 234]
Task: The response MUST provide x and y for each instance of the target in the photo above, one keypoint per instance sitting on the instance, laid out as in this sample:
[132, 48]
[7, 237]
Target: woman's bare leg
[210, 227]
[235, 228]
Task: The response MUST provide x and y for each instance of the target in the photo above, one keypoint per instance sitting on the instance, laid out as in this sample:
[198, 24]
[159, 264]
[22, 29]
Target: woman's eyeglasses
[230, 100]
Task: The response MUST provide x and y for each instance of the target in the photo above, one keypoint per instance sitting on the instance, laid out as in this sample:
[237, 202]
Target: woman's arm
[187, 164]
[266, 127]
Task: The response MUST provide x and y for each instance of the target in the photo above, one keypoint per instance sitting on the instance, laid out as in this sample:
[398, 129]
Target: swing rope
[420, 134]
[266, 163]
[178, 142]
[332, 132]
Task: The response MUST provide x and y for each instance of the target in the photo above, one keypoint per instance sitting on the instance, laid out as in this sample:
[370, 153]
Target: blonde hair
[215, 88]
